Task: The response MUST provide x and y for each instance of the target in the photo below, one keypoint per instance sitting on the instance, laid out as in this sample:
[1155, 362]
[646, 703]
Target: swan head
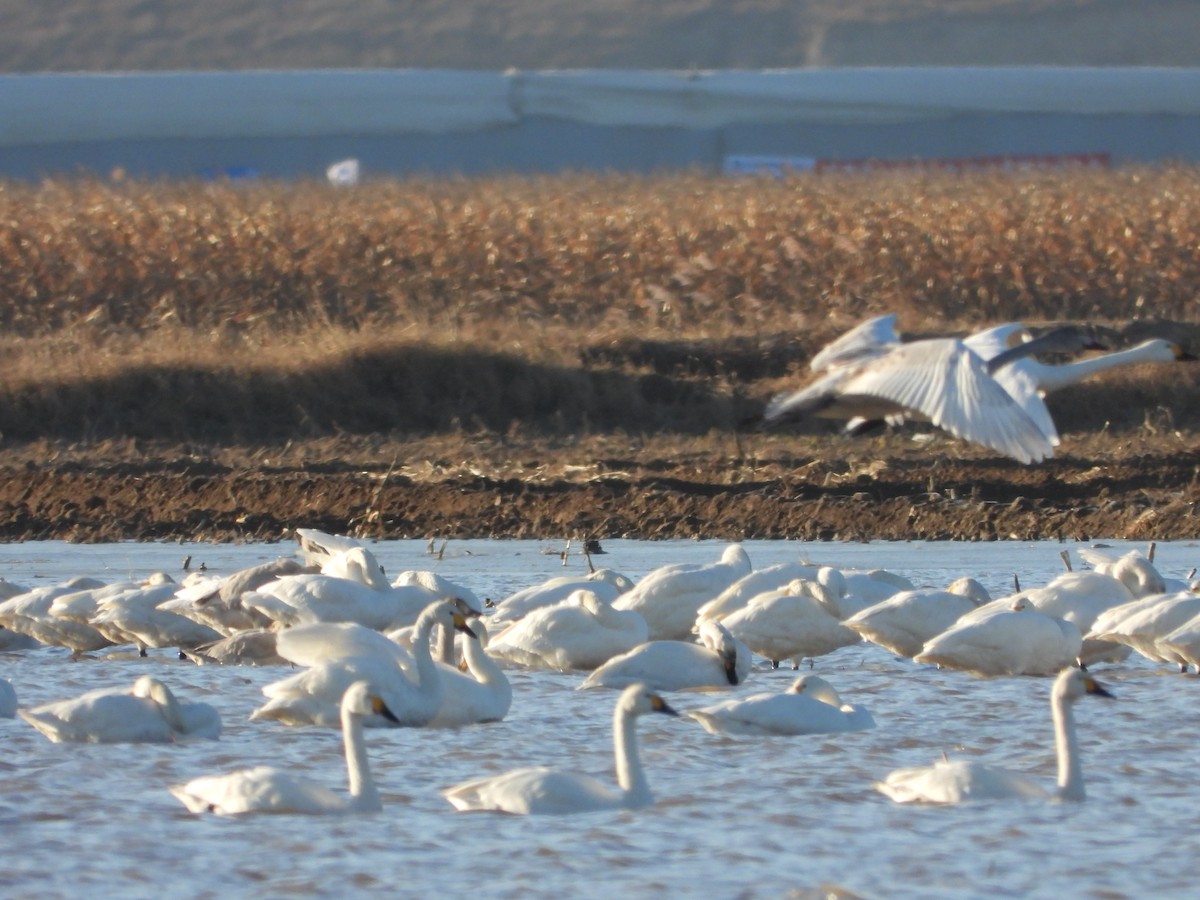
[1072, 684]
[1162, 350]
[621, 582]
[735, 555]
[448, 614]
[361, 699]
[358, 564]
[589, 600]
[153, 689]
[638, 699]
[817, 688]
[1139, 575]
[971, 589]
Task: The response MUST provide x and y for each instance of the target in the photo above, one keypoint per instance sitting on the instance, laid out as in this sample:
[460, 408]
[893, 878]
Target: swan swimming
[266, 789]
[146, 713]
[718, 662]
[810, 705]
[542, 790]
[955, 781]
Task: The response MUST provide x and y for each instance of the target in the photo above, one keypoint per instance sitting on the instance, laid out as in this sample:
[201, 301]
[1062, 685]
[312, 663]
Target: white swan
[906, 621]
[1017, 640]
[604, 583]
[1183, 643]
[217, 601]
[940, 380]
[256, 647]
[1147, 622]
[809, 706]
[313, 696]
[29, 613]
[8, 700]
[954, 781]
[794, 622]
[269, 790]
[137, 616]
[718, 662]
[669, 597]
[481, 694]
[581, 632]
[552, 791]
[147, 713]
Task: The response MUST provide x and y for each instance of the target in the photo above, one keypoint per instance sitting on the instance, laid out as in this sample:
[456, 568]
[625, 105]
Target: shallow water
[745, 817]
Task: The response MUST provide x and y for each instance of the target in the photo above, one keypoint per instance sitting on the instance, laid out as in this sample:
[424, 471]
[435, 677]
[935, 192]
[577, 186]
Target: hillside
[66, 35]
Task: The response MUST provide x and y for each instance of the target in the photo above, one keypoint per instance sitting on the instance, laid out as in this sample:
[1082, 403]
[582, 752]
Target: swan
[906, 621]
[29, 613]
[954, 781]
[542, 790]
[581, 632]
[266, 789]
[217, 601]
[137, 616]
[604, 583]
[255, 647]
[809, 706]
[313, 696]
[1013, 640]
[1147, 621]
[8, 700]
[147, 713]
[793, 622]
[717, 662]
[330, 596]
[481, 694]
[1183, 643]
[940, 380]
[669, 597]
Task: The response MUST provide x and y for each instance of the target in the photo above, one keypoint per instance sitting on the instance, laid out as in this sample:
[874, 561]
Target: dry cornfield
[244, 311]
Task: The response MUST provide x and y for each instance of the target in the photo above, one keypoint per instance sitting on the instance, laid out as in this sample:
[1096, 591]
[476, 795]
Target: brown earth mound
[897, 487]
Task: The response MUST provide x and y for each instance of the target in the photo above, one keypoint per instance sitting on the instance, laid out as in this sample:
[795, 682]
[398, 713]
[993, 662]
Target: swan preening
[985, 389]
[266, 789]
[955, 781]
[553, 791]
[146, 713]
[719, 661]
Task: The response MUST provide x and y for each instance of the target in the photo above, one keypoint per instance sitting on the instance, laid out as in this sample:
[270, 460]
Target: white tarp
[52, 108]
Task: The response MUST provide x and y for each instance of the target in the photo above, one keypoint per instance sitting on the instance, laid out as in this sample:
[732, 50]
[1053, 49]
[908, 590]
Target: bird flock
[359, 651]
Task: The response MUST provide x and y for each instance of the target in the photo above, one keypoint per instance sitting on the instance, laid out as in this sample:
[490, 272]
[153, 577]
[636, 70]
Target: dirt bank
[884, 488]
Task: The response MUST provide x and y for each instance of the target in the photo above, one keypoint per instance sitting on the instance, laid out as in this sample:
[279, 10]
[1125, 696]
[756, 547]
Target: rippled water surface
[747, 817]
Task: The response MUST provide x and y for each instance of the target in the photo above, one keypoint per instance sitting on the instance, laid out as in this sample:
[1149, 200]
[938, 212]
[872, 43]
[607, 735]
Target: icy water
[735, 817]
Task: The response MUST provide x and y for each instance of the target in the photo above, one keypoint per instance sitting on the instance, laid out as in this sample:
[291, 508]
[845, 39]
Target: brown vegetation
[240, 358]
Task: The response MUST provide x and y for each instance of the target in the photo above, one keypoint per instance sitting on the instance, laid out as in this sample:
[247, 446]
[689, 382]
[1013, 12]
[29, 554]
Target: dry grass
[236, 312]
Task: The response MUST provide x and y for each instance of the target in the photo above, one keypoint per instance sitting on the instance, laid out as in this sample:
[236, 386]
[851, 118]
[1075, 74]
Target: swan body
[906, 621]
[961, 780]
[256, 647]
[809, 706]
[537, 791]
[147, 713]
[751, 585]
[481, 694]
[217, 602]
[790, 623]
[29, 613]
[1150, 620]
[266, 789]
[8, 700]
[581, 632]
[604, 583]
[869, 374]
[313, 696]
[1005, 641]
[718, 662]
[137, 617]
[1183, 643]
[669, 597]
[308, 598]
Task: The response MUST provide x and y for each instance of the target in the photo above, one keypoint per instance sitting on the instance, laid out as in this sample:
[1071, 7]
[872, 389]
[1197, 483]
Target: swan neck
[1053, 377]
[363, 794]
[630, 775]
[1070, 767]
